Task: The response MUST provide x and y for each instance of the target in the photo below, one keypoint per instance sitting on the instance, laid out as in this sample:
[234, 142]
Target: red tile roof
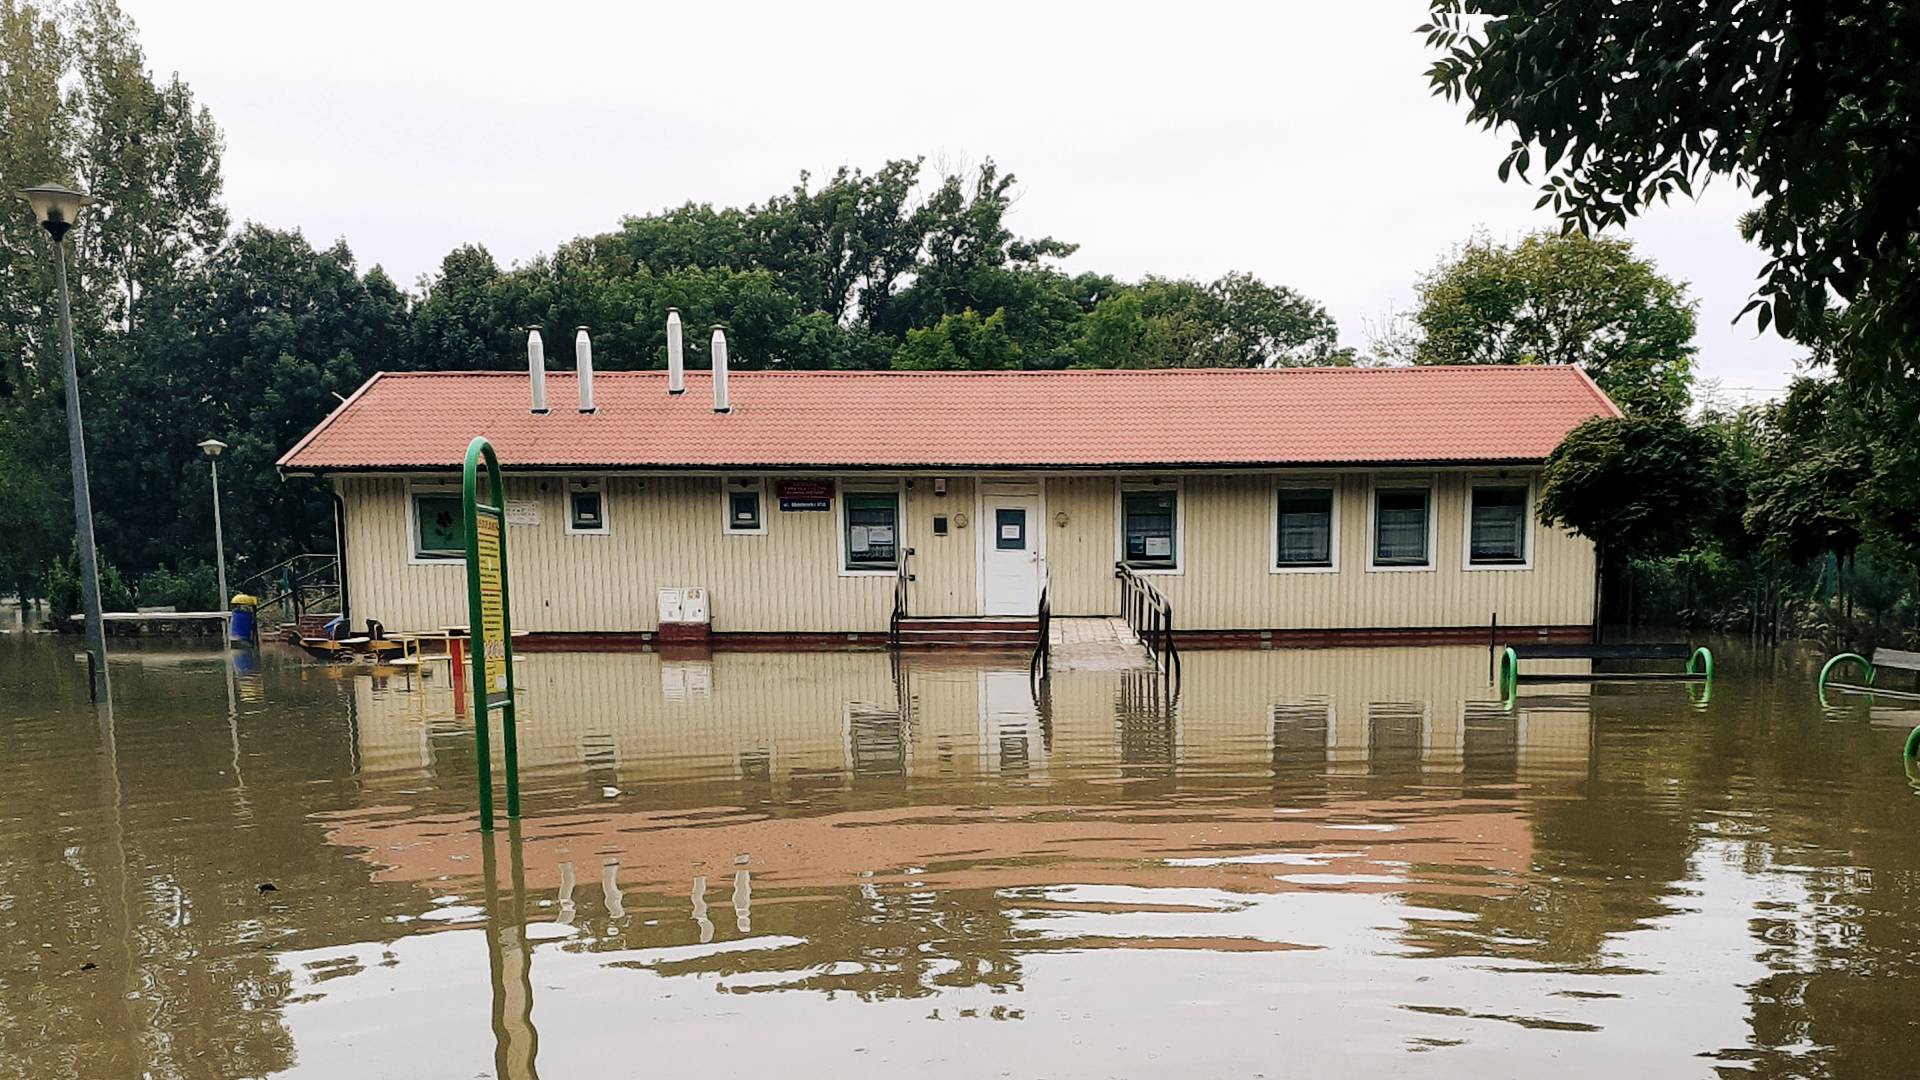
[1065, 419]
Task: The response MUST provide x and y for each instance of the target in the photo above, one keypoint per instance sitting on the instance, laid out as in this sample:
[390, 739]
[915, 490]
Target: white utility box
[685, 604]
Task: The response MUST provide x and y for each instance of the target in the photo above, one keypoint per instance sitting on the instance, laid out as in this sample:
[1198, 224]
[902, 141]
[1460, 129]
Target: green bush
[193, 588]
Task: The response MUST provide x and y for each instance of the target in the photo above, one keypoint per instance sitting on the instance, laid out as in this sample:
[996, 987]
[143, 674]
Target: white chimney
[676, 356]
[583, 360]
[537, 369]
[720, 371]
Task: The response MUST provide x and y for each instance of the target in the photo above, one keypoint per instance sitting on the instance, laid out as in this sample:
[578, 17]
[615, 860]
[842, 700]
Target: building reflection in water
[921, 826]
[829, 721]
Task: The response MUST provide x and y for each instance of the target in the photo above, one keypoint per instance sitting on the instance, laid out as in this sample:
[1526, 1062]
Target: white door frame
[987, 488]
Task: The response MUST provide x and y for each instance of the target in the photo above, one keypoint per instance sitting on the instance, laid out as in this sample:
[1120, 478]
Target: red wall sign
[804, 494]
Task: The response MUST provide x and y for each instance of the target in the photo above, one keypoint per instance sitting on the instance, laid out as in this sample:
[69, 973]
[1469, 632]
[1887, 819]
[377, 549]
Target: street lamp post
[212, 448]
[57, 208]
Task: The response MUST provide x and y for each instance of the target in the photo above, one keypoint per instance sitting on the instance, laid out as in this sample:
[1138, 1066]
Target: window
[1497, 526]
[1009, 529]
[1147, 530]
[439, 525]
[1303, 529]
[743, 507]
[872, 530]
[587, 507]
[1400, 527]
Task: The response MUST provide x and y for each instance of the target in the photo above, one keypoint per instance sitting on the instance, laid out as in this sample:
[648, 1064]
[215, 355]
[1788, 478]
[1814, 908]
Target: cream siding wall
[1080, 553]
[666, 531]
[945, 582]
[1224, 583]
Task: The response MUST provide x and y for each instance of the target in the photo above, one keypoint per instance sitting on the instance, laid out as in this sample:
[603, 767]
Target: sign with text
[802, 495]
[490, 640]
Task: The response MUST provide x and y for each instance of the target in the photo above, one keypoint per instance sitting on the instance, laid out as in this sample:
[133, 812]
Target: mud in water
[836, 864]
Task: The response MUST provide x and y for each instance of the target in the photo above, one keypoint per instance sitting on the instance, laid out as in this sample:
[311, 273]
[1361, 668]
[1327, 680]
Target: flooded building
[1314, 505]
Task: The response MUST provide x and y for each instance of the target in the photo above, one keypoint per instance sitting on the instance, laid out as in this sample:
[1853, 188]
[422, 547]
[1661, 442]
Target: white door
[1010, 555]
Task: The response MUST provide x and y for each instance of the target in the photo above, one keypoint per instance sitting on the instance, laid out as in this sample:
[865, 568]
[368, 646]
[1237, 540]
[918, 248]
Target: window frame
[416, 489]
[1375, 487]
[844, 488]
[738, 485]
[1175, 486]
[1330, 485]
[597, 485]
[1528, 538]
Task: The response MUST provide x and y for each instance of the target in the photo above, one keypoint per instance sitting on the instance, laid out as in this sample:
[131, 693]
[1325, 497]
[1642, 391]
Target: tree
[1812, 107]
[1560, 299]
[1638, 487]
[250, 346]
[964, 342]
[1235, 321]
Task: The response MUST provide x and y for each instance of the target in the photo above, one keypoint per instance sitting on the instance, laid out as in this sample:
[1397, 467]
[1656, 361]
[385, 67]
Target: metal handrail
[1041, 665]
[299, 580]
[1150, 617]
[901, 576]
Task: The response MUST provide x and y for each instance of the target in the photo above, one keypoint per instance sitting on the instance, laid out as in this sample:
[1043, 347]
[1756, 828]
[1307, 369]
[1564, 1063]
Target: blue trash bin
[242, 626]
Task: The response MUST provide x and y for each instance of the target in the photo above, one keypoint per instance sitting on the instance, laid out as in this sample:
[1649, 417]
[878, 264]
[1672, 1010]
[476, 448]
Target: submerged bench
[1883, 660]
[1699, 661]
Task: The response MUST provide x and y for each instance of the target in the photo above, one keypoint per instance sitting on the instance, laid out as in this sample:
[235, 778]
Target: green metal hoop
[1702, 656]
[1865, 665]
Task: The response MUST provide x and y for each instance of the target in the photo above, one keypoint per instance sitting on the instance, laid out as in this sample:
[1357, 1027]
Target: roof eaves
[338, 410]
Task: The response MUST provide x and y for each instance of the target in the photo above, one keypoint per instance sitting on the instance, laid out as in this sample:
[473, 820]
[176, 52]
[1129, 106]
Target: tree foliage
[1640, 486]
[1560, 299]
[1812, 107]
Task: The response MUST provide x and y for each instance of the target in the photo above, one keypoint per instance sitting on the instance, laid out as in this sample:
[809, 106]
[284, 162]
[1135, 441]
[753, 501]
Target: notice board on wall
[804, 495]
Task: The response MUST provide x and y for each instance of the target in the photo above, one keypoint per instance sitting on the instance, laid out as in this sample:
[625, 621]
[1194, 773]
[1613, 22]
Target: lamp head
[212, 447]
[56, 208]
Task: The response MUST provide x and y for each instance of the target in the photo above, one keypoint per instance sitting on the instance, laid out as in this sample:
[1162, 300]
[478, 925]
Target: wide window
[1400, 531]
[586, 507]
[1147, 529]
[743, 507]
[439, 526]
[1304, 537]
[872, 530]
[1497, 526]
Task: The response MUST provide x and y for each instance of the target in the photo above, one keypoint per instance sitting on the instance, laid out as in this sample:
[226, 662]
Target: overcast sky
[1295, 141]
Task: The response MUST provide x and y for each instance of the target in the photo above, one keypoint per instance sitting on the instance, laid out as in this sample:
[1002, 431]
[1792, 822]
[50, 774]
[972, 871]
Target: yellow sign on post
[485, 519]
[492, 636]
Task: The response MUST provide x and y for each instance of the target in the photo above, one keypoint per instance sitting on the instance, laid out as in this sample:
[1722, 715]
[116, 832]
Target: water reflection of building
[802, 720]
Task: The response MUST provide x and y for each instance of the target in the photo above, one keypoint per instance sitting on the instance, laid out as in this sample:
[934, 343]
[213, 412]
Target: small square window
[1400, 527]
[1497, 526]
[587, 507]
[1147, 529]
[439, 526]
[743, 507]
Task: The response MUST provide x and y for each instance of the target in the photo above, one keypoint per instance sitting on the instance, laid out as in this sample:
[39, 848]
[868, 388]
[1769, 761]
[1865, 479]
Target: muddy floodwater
[1307, 863]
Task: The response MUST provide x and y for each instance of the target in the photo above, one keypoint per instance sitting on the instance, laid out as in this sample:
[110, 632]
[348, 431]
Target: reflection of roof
[876, 419]
[991, 847]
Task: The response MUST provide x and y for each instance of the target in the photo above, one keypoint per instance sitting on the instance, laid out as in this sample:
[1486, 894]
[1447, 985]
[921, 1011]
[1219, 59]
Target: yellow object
[244, 600]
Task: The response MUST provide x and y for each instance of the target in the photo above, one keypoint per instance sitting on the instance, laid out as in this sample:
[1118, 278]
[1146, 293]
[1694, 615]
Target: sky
[1294, 141]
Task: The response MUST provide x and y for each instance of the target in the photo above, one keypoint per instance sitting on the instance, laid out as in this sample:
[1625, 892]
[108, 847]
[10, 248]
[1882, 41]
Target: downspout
[1599, 590]
[340, 549]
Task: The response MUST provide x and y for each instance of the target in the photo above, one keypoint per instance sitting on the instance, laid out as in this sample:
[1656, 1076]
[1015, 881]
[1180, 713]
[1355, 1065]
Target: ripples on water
[813, 864]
